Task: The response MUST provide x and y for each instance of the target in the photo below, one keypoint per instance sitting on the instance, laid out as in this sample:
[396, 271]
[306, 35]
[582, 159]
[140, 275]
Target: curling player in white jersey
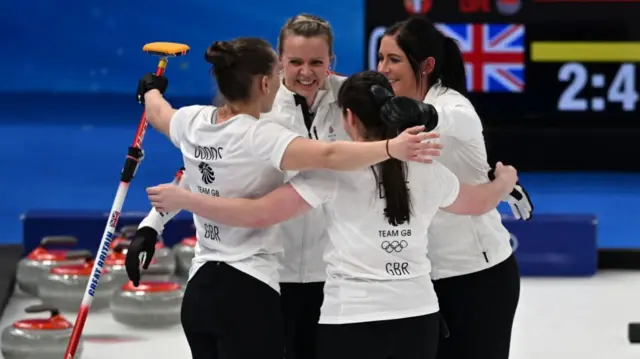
[307, 105]
[379, 299]
[234, 278]
[474, 269]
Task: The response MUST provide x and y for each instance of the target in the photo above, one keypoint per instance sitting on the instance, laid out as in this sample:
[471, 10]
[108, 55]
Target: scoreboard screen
[536, 63]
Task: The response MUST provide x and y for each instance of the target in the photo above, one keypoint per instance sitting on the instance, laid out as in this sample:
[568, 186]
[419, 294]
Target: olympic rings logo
[394, 246]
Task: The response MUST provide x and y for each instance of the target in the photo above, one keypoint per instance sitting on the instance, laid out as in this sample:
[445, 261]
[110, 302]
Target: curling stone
[184, 253]
[38, 338]
[152, 304]
[125, 235]
[115, 262]
[32, 269]
[64, 286]
[164, 256]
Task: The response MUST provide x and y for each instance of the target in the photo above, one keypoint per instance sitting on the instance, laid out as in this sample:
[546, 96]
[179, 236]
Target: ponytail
[452, 71]
[370, 97]
[392, 173]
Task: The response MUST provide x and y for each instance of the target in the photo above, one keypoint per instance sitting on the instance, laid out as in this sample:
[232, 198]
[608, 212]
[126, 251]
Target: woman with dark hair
[306, 103]
[231, 306]
[379, 300]
[474, 269]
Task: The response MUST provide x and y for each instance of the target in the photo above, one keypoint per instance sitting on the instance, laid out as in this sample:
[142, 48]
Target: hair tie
[381, 95]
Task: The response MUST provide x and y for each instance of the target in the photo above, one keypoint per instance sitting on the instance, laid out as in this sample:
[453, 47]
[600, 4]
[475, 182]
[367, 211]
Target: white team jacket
[464, 244]
[305, 237]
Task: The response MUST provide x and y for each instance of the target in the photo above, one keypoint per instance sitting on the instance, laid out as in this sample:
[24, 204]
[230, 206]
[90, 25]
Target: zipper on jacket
[307, 115]
[484, 251]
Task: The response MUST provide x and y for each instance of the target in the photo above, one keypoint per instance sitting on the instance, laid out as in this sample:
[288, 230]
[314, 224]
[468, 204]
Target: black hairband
[381, 95]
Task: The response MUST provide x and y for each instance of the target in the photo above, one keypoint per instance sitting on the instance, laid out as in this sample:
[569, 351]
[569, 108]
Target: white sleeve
[316, 187]
[449, 185]
[157, 220]
[269, 140]
[180, 122]
[458, 121]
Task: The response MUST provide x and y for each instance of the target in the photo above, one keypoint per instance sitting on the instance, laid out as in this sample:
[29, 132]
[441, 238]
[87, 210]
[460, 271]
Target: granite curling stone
[152, 304]
[41, 338]
[163, 255]
[32, 269]
[65, 286]
[115, 262]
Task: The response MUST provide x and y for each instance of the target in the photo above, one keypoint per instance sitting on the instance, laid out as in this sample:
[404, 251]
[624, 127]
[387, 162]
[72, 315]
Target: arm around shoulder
[304, 154]
[280, 205]
[288, 151]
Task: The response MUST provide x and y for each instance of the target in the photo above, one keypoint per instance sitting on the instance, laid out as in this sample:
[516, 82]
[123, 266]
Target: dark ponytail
[391, 175]
[369, 96]
[452, 71]
[419, 39]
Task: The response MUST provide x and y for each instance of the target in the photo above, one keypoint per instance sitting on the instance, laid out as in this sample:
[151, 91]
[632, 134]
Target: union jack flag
[493, 55]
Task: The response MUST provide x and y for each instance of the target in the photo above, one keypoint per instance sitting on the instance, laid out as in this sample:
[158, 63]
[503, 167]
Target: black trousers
[228, 314]
[479, 309]
[301, 304]
[407, 338]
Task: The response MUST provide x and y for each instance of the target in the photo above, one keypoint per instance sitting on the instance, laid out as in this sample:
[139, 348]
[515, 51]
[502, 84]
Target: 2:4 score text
[597, 91]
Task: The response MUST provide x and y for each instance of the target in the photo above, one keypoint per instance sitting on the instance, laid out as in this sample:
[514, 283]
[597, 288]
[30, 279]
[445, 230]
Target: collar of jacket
[325, 94]
[434, 92]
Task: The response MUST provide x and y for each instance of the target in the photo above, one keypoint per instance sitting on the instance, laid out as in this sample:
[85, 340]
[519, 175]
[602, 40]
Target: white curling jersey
[376, 271]
[237, 158]
[461, 244]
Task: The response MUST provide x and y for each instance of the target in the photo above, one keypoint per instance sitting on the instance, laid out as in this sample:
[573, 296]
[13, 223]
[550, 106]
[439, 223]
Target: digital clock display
[545, 62]
[559, 72]
[595, 91]
[573, 69]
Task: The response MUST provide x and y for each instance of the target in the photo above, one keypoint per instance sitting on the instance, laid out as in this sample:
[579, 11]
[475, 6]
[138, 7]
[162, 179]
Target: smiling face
[305, 44]
[394, 64]
[305, 62]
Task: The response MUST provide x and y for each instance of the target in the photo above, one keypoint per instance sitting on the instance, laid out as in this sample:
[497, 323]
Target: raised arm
[158, 110]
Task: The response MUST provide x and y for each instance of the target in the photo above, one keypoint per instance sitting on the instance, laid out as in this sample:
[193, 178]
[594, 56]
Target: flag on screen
[493, 55]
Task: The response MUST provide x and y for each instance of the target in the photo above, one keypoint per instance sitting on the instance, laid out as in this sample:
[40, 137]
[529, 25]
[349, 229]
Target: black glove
[144, 242]
[518, 199]
[150, 82]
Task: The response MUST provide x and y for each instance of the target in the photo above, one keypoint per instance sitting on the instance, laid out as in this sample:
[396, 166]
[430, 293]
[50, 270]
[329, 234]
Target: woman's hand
[167, 197]
[508, 174]
[414, 145]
